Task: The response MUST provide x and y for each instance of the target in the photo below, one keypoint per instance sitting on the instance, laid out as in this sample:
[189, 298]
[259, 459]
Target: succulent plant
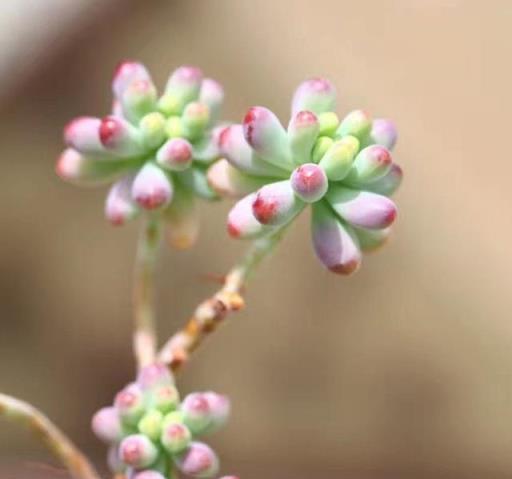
[160, 153]
[150, 431]
[343, 169]
[154, 150]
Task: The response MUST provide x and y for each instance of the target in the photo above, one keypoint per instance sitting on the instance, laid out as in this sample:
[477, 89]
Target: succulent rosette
[151, 432]
[154, 150]
[343, 169]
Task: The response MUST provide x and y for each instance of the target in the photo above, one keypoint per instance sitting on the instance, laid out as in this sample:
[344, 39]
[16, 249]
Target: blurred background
[401, 371]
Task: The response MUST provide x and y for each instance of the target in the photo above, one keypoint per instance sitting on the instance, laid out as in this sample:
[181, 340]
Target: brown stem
[144, 336]
[70, 456]
[209, 314]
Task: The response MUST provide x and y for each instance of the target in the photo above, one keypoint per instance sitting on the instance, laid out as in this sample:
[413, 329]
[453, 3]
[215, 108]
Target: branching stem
[210, 313]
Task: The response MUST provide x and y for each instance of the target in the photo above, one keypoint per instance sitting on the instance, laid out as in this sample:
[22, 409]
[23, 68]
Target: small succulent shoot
[129, 403]
[138, 451]
[175, 436]
[198, 461]
[196, 412]
[149, 430]
[107, 426]
[220, 408]
[151, 424]
[341, 167]
[153, 150]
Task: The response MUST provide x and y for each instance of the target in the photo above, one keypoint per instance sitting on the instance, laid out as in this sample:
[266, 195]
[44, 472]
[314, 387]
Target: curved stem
[209, 314]
[76, 463]
[144, 336]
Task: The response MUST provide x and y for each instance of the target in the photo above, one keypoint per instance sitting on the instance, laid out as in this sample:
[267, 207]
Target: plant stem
[77, 464]
[210, 313]
[144, 336]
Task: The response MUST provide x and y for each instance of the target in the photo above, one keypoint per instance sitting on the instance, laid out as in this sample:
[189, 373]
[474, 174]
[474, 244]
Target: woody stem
[70, 456]
[210, 313]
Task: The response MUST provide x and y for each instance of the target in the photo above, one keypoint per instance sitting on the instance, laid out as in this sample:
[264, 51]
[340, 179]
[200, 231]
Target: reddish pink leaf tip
[224, 137]
[125, 67]
[189, 72]
[346, 268]
[264, 209]
[320, 84]
[109, 128]
[233, 231]
[152, 201]
[305, 117]
[382, 155]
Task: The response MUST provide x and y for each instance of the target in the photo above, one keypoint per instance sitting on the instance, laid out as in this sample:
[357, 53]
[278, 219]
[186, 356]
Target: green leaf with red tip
[303, 132]
[267, 137]
[220, 409]
[362, 208]
[316, 94]
[357, 123]
[335, 243]
[106, 425]
[175, 437]
[371, 164]
[383, 133]
[198, 461]
[309, 182]
[389, 183]
[120, 138]
[120, 206]
[196, 413]
[138, 99]
[183, 87]
[238, 152]
[126, 73]
[138, 451]
[276, 204]
[83, 170]
[195, 119]
[241, 222]
[175, 154]
[152, 187]
[130, 404]
[83, 135]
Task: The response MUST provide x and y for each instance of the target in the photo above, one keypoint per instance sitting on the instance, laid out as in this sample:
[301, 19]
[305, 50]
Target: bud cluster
[161, 152]
[151, 432]
[342, 167]
[154, 149]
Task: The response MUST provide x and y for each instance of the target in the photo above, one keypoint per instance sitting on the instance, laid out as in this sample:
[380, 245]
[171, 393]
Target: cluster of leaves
[164, 152]
[150, 431]
[154, 150]
[342, 168]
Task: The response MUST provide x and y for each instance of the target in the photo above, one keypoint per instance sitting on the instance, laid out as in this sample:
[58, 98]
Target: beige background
[402, 371]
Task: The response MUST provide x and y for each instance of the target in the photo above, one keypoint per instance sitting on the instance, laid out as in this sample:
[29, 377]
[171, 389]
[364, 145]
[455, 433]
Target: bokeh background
[402, 371]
